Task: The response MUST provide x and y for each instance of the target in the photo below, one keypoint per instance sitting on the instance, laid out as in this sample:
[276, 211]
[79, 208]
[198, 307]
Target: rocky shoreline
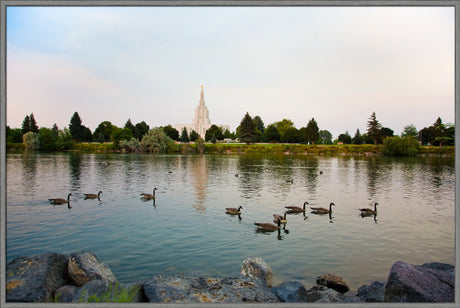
[81, 277]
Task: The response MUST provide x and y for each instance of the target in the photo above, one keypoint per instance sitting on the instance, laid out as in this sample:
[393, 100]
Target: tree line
[139, 136]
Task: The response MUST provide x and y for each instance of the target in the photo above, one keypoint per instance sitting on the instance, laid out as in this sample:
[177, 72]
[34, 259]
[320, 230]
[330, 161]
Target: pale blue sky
[337, 65]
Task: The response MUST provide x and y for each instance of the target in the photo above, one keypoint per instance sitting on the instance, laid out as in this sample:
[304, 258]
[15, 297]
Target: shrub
[396, 146]
[31, 141]
[156, 141]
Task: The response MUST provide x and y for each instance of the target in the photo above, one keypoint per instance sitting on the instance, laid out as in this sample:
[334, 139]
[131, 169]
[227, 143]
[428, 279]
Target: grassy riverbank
[263, 148]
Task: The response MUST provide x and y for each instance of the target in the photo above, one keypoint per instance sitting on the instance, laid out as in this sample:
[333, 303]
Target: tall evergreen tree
[194, 136]
[247, 129]
[312, 132]
[184, 135]
[55, 130]
[357, 138]
[75, 127]
[374, 128]
[409, 130]
[26, 125]
[131, 127]
[33, 124]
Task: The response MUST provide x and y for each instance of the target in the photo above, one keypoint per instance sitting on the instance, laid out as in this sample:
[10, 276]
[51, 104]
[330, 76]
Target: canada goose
[322, 210]
[93, 196]
[282, 219]
[266, 226]
[233, 210]
[149, 196]
[369, 212]
[60, 200]
[296, 209]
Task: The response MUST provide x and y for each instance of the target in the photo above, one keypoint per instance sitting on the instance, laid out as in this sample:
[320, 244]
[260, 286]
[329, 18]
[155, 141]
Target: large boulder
[333, 281]
[323, 294]
[257, 268]
[372, 292]
[430, 282]
[84, 267]
[35, 278]
[106, 291]
[181, 289]
[66, 294]
[290, 292]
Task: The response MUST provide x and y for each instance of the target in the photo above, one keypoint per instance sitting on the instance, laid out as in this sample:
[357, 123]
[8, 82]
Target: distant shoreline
[260, 148]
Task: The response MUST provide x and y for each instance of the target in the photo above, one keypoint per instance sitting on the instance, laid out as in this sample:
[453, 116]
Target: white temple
[201, 120]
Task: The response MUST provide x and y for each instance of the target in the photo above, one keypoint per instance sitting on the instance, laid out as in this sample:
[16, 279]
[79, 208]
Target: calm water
[187, 231]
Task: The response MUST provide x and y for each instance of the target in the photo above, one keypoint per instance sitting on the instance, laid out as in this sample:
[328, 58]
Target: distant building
[201, 120]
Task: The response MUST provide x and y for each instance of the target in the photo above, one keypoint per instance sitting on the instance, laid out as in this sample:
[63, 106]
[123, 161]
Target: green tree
[215, 131]
[156, 141]
[31, 141]
[105, 128]
[47, 139]
[184, 135]
[259, 124]
[64, 140]
[271, 134]
[374, 129]
[33, 124]
[75, 127]
[119, 134]
[229, 135]
[79, 132]
[26, 125]
[171, 132]
[291, 135]
[131, 127]
[13, 135]
[312, 132]
[141, 129]
[386, 132]
[409, 131]
[283, 125]
[247, 129]
[194, 135]
[131, 145]
[325, 137]
[213, 139]
[345, 138]
[357, 139]
[55, 130]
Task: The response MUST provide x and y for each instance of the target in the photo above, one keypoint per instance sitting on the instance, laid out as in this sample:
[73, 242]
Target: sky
[337, 65]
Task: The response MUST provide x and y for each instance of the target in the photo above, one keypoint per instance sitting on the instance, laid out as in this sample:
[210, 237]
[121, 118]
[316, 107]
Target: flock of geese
[56, 201]
[264, 226]
[281, 219]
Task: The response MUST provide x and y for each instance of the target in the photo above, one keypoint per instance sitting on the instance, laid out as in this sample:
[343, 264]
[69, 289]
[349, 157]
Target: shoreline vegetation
[257, 148]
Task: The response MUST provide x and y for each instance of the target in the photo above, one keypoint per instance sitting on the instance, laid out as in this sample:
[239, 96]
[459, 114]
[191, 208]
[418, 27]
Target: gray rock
[431, 282]
[257, 268]
[181, 289]
[109, 292]
[322, 294]
[372, 292]
[290, 292]
[333, 281]
[66, 294]
[34, 279]
[84, 267]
